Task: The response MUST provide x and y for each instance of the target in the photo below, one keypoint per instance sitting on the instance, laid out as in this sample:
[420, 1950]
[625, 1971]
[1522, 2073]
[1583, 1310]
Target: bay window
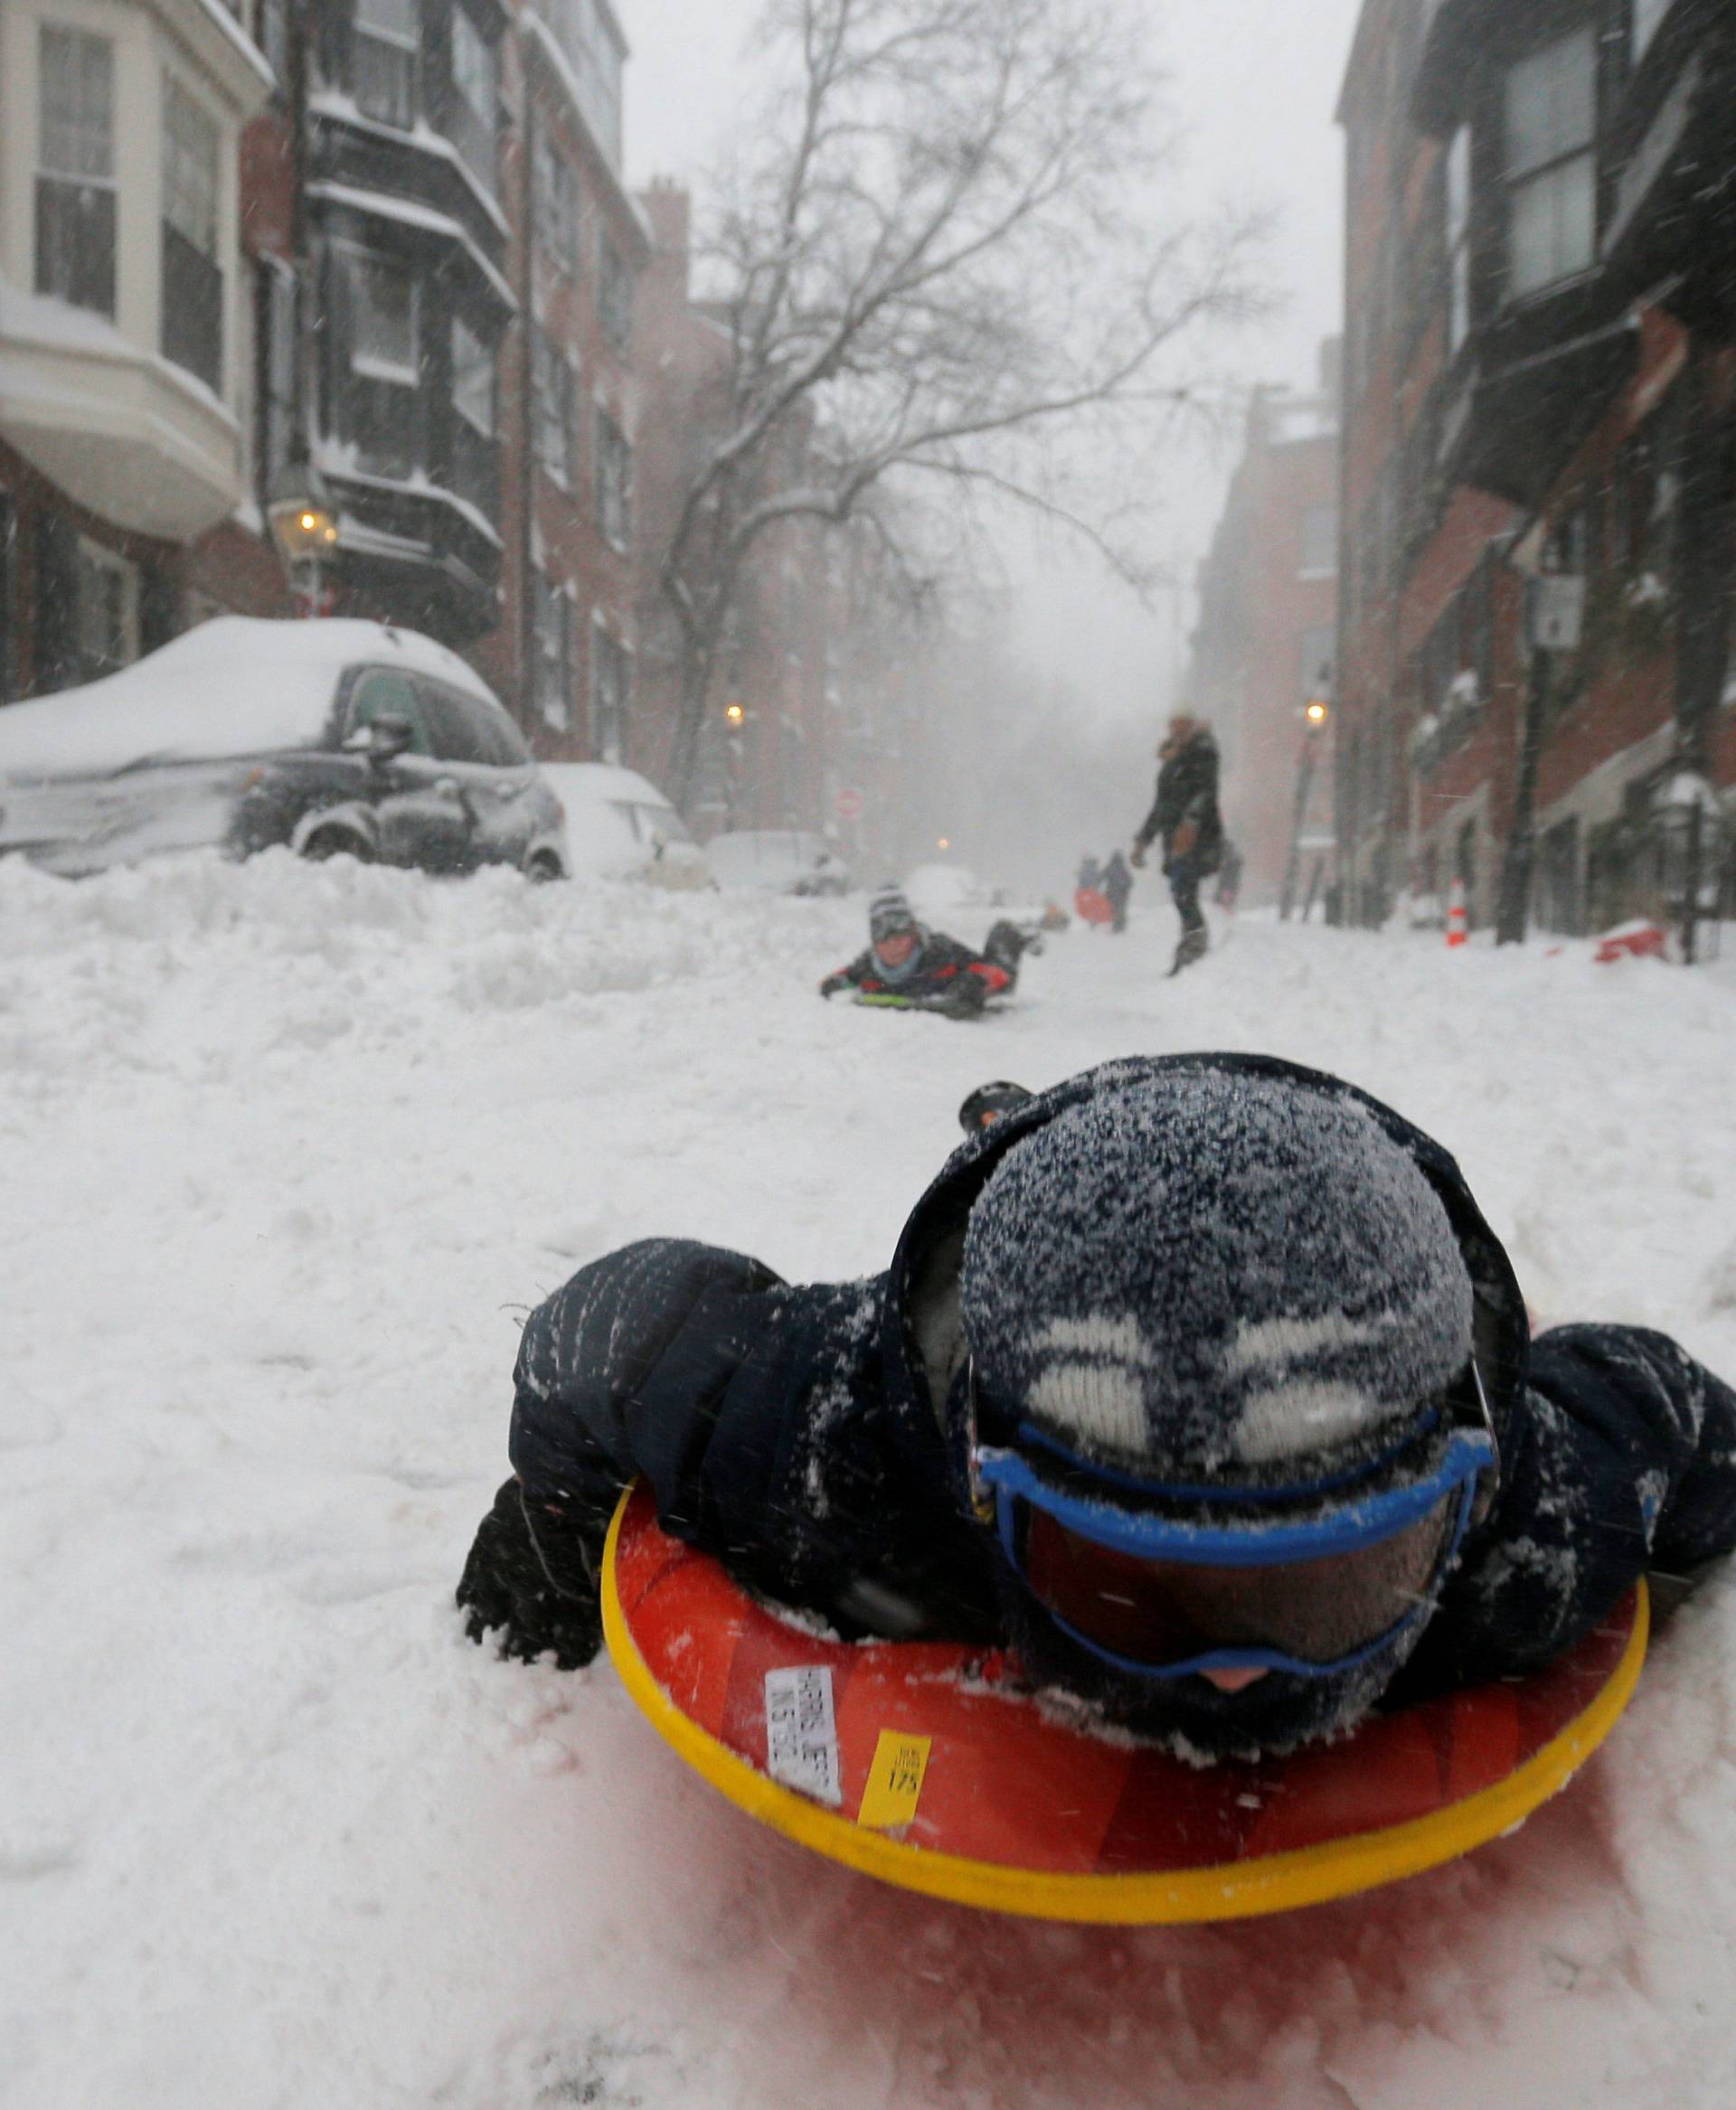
[75, 170]
[1552, 99]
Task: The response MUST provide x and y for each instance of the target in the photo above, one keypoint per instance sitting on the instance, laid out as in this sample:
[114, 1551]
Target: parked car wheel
[542, 868]
[325, 843]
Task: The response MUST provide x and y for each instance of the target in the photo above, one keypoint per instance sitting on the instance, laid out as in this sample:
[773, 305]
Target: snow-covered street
[286, 1152]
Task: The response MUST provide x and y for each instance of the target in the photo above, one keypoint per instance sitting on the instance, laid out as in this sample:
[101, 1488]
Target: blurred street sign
[1555, 604]
[847, 805]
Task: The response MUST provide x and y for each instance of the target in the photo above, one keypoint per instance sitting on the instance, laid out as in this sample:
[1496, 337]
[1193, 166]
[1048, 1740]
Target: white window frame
[1549, 173]
[614, 494]
[487, 120]
[193, 169]
[393, 36]
[553, 669]
[1647, 19]
[461, 408]
[1458, 178]
[370, 365]
[608, 731]
[61, 168]
[547, 357]
[94, 558]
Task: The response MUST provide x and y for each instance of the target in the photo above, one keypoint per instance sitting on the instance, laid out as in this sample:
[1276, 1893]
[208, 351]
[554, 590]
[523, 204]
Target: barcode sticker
[894, 1780]
[802, 1732]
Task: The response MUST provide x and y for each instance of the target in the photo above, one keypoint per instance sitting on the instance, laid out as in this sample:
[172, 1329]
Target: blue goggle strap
[1147, 1535]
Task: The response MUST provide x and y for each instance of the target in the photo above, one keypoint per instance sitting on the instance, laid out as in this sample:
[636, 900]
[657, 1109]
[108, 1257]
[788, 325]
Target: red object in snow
[1457, 923]
[1092, 907]
[1632, 941]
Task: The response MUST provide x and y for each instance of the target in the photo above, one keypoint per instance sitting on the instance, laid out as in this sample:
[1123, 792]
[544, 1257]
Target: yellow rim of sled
[1277, 1882]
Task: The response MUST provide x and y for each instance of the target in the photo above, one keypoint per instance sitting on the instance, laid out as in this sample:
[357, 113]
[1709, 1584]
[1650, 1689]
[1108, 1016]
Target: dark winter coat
[1185, 813]
[947, 973]
[1117, 883]
[793, 1433]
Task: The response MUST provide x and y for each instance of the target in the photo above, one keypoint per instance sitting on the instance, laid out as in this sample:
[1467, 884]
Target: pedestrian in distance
[1185, 816]
[910, 968]
[1117, 889]
[1199, 1381]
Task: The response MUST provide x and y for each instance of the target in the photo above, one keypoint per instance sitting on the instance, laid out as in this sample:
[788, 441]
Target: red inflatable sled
[921, 1763]
[1091, 906]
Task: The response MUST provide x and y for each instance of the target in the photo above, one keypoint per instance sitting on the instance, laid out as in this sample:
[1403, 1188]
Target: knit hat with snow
[1216, 1276]
[890, 912]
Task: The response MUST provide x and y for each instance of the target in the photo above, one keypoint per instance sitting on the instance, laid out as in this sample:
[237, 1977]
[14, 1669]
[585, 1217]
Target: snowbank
[288, 1148]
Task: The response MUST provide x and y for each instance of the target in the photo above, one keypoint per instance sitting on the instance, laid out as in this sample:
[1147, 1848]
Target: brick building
[1266, 636]
[1539, 389]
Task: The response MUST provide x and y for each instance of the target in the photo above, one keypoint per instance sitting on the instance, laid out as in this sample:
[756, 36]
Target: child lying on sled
[1201, 1380]
[906, 967]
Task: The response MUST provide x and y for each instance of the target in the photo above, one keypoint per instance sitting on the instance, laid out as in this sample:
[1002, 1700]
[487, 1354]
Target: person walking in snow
[1185, 815]
[1117, 889]
[1201, 1380]
[926, 969]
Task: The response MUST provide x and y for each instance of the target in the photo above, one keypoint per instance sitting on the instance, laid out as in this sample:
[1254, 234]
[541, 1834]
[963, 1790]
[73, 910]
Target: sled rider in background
[1199, 1381]
[907, 965]
[1185, 815]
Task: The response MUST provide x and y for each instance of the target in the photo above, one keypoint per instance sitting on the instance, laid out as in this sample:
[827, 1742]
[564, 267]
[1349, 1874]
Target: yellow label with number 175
[894, 1780]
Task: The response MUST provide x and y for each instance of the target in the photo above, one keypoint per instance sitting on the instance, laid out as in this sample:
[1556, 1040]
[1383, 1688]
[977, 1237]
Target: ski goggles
[1156, 1586]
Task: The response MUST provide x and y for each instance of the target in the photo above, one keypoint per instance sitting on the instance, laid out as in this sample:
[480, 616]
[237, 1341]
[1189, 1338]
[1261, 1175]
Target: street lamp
[1317, 713]
[304, 527]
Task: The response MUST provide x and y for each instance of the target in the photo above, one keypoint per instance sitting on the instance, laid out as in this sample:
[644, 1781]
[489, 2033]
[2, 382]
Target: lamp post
[1317, 715]
[304, 528]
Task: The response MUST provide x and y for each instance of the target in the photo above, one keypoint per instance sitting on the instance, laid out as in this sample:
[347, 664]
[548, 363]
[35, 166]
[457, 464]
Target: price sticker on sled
[894, 1781]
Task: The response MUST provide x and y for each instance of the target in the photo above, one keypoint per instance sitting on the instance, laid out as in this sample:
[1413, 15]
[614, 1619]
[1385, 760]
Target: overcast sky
[1255, 83]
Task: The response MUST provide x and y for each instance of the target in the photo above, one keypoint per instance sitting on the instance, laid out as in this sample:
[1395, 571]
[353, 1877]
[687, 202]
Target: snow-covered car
[619, 825]
[777, 861]
[326, 737]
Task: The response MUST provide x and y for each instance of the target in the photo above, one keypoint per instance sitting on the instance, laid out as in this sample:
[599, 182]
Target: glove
[535, 1587]
[832, 983]
[1137, 857]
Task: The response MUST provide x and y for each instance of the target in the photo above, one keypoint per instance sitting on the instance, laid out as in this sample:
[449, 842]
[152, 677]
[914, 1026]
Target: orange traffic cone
[1458, 931]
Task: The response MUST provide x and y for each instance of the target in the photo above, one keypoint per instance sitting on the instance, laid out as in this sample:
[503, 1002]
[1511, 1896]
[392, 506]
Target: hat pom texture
[1224, 1277]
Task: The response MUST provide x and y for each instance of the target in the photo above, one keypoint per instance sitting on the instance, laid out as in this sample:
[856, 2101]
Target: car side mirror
[389, 736]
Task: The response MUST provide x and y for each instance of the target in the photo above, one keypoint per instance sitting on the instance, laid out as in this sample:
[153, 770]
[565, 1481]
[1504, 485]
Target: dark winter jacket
[1118, 881]
[795, 1434]
[946, 974]
[1185, 813]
